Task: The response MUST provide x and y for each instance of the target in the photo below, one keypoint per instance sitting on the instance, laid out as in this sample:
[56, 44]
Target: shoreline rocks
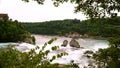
[76, 35]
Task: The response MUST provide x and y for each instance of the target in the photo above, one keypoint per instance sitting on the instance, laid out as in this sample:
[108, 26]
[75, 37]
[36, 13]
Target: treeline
[93, 27]
[13, 31]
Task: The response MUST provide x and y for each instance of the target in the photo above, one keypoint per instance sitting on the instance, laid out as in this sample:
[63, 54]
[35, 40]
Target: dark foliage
[12, 31]
[107, 27]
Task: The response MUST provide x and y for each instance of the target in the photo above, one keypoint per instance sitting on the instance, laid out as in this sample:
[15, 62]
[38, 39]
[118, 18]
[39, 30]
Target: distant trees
[107, 27]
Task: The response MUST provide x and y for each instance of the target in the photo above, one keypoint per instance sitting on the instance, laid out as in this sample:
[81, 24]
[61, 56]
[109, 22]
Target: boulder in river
[65, 42]
[74, 43]
[28, 40]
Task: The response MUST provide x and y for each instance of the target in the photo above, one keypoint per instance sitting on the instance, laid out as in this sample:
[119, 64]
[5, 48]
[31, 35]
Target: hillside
[108, 27]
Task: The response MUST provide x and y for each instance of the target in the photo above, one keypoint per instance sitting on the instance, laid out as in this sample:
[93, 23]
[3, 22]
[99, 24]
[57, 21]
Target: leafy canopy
[91, 8]
[13, 31]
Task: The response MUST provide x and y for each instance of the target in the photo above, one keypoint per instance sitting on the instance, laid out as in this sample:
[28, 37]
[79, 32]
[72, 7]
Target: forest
[13, 31]
[103, 27]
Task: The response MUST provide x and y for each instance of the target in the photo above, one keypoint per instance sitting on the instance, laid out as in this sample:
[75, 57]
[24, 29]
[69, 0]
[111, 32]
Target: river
[73, 54]
[85, 43]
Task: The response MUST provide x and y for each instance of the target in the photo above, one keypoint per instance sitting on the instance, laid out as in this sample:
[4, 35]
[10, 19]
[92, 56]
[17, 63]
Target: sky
[33, 12]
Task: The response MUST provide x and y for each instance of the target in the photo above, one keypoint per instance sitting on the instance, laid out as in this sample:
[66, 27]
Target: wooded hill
[14, 31]
[93, 27]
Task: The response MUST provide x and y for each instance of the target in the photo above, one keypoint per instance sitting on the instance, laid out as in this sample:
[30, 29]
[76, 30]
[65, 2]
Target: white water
[6, 44]
[73, 54]
[86, 43]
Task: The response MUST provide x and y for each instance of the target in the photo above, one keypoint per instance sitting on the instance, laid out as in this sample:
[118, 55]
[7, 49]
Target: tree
[13, 31]
[107, 58]
[91, 8]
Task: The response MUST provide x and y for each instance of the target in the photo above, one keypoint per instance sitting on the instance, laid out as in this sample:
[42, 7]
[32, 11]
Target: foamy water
[75, 54]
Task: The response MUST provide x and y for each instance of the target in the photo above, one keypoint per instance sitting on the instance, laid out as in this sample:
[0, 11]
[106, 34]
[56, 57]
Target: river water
[73, 53]
[85, 43]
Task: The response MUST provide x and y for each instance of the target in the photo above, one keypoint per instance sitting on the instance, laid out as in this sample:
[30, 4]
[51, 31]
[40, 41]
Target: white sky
[32, 12]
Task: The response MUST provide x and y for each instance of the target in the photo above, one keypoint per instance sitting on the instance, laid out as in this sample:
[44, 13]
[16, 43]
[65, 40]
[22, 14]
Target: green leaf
[54, 48]
[53, 39]
[47, 52]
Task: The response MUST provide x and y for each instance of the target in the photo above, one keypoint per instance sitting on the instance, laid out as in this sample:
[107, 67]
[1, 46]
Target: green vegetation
[108, 58]
[108, 27]
[13, 31]
[12, 58]
[52, 27]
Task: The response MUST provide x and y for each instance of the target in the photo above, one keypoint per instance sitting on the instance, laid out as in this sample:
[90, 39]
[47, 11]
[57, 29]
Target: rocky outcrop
[73, 35]
[76, 35]
[30, 39]
[85, 35]
[71, 65]
[65, 42]
[74, 43]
